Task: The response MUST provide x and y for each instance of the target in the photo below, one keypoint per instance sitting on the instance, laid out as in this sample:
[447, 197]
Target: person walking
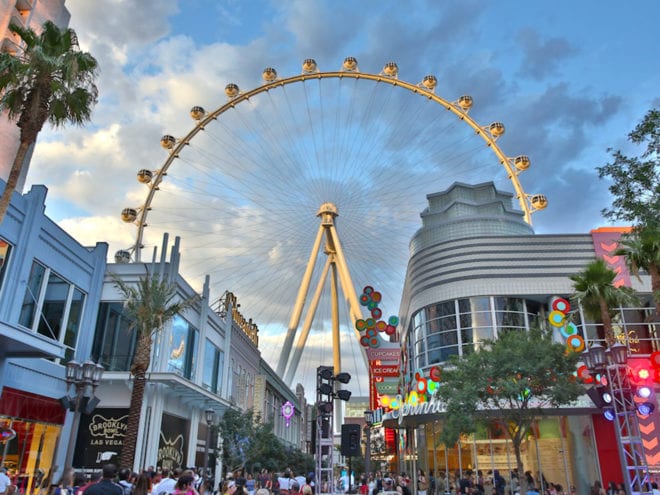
[5, 482]
[499, 483]
[125, 476]
[168, 483]
[422, 482]
[107, 485]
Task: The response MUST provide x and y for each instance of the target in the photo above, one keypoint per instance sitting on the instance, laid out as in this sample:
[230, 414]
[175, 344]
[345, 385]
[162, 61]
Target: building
[32, 14]
[59, 302]
[49, 297]
[476, 266]
[204, 360]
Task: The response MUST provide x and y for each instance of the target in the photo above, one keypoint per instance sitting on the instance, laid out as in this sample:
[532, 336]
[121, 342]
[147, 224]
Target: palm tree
[50, 79]
[641, 250]
[595, 290]
[151, 305]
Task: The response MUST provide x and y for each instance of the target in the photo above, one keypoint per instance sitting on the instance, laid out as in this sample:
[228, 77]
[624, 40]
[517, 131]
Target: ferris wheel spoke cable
[248, 188]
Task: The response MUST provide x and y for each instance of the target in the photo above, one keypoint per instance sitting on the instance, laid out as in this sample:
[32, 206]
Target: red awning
[28, 406]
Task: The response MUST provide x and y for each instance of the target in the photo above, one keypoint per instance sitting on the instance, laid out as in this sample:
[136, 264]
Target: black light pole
[368, 419]
[326, 394]
[210, 417]
[80, 377]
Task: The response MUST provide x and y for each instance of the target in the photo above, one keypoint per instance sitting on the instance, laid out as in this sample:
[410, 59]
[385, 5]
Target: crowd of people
[178, 481]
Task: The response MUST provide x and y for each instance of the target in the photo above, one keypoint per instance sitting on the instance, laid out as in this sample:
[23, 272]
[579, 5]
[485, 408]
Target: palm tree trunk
[12, 180]
[607, 322]
[655, 288]
[139, 369]
[516, 440]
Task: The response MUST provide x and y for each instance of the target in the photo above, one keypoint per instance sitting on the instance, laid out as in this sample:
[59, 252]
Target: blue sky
[568, 79]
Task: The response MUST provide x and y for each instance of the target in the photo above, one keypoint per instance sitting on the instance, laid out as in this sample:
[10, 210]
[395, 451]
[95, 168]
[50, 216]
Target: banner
[606, 241]
[172, 445]
[390, 370]
[389, 354]
[387, 388]
[100, 437]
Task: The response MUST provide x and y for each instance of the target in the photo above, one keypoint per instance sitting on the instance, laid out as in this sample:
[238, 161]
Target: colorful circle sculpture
[370, 298]
[569, 329]
[561, 305]
[435, 374]
[584, 375]
[556, 318]
[575, 343]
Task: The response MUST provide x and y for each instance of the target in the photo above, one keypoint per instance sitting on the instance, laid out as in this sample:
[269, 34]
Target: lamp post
[80, 377]
[610, 369]
[210, 417]
[368, 419]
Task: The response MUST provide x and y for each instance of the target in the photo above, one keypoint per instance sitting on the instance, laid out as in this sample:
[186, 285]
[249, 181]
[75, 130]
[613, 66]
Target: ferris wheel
[251, 185]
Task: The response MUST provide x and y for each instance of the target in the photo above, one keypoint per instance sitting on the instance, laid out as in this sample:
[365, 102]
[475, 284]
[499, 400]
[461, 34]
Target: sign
[390, 370]
[606, 242]
[385, 388]
[100, 437]
[383, 353]
[172, 444]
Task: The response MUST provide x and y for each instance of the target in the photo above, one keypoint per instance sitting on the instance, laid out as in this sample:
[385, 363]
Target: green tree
[636, 179]
[150, 304]
[236, 429]
[641, 250]
[595, 291]
[512, 379]
[50, 79]
[249, 444]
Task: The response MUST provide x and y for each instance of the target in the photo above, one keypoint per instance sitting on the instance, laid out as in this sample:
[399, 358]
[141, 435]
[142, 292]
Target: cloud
[243, 195]
[542, 58]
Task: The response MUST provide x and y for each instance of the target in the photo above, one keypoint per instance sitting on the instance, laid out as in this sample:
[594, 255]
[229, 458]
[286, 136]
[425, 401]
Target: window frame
[5, 257]
[37, 316]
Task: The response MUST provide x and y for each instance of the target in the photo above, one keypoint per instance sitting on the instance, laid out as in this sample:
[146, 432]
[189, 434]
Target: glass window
[441, 355]
[4, 256]
[183, 345]
[114, 340]
[221, 367]
[31, 297]
[54, 305]
[73, 323]
[51, 307]
[210, 367]
[191, 354]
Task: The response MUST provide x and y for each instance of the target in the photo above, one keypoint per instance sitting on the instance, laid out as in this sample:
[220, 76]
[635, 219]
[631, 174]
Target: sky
[568, 79]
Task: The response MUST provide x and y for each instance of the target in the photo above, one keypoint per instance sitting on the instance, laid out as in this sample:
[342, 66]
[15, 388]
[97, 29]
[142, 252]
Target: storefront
[100, 438]
[560, 449]
[37, 422]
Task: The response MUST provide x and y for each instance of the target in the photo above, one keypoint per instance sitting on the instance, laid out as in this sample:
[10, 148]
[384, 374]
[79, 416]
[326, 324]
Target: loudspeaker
[350, 440]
